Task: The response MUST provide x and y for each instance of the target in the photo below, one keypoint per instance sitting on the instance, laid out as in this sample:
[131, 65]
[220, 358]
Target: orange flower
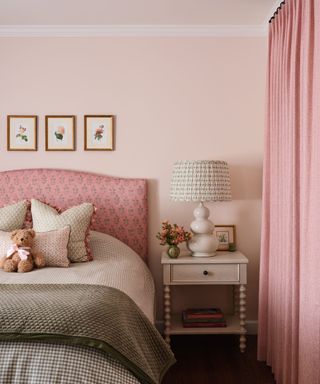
[172, 234]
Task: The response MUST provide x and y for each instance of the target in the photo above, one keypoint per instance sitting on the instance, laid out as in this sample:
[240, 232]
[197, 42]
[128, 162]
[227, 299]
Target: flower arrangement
[172, 234]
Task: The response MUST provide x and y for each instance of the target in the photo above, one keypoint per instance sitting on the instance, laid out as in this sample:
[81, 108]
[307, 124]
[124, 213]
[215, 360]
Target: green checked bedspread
[88, 316]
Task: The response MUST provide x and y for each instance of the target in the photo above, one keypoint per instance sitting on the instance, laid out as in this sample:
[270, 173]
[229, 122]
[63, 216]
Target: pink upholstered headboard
[121, 203]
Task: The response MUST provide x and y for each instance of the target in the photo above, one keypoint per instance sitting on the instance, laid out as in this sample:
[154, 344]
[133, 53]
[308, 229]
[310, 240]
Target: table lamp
[201, 180]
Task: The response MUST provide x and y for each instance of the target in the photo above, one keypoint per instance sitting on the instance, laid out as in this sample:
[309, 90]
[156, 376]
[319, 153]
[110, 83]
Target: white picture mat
[30, 124]
[54, 123]
[93, 123]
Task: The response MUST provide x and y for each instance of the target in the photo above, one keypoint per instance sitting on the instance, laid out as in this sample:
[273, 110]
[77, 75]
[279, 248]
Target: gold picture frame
[22, 133]
[226, 235]
[99, 132]
[60, 132]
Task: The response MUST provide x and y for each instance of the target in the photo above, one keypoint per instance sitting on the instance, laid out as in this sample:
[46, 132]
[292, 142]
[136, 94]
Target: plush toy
[19, 257]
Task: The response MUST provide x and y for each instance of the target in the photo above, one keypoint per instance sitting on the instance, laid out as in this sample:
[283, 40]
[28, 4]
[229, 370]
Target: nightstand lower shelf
[233, 327]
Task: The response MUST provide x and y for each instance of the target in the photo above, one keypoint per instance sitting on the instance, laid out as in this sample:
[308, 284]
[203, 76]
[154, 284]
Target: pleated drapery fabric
[289, 297]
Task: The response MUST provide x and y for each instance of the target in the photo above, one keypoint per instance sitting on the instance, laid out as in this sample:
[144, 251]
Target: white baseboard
[252, 326]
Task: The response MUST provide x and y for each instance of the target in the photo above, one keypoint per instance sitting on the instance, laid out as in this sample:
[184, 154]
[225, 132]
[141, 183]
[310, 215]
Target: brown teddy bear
[19, 257]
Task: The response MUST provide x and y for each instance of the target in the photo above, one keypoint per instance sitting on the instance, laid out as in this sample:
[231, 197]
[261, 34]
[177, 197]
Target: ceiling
[136, 12]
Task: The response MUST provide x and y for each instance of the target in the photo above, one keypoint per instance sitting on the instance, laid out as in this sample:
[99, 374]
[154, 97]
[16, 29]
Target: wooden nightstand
[226, 268]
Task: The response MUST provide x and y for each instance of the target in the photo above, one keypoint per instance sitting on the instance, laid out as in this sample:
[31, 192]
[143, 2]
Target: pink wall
[174, 98]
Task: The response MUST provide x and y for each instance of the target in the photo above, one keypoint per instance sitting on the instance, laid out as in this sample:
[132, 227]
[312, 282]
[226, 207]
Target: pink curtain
[289, 303]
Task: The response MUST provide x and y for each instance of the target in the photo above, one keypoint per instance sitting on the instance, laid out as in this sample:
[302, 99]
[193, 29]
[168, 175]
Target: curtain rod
[277, 10]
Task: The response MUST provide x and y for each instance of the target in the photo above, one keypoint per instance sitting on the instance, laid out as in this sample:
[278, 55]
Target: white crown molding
[133, 30]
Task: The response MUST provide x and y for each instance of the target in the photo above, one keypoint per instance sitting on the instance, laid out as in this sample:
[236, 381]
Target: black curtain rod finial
[277, 11]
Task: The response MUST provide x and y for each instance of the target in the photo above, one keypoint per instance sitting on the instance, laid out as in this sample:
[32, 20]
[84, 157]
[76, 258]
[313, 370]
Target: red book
[204, 316]
[204, 325]
[203, 311]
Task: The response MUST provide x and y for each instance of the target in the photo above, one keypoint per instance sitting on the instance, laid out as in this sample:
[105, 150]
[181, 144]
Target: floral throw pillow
[46, 218]
[13, 216]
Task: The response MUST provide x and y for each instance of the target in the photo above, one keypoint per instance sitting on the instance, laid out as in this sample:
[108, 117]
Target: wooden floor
[216, 359]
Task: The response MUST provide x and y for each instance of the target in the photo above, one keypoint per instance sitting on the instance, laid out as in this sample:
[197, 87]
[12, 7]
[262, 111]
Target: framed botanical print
[60, 133]
[22, 133]
[99, 133]
[226, 235]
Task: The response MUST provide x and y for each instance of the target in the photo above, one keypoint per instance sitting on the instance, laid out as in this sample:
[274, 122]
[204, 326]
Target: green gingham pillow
[46, 218]
[13, 216]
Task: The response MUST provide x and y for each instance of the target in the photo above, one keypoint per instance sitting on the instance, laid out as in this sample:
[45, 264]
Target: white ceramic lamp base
[203, 243]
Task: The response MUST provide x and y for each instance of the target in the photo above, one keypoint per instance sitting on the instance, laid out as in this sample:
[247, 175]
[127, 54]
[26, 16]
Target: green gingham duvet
[98, 317]
[59, 363]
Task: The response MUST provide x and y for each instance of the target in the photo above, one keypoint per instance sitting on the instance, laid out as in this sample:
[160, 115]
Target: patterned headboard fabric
[121, 203]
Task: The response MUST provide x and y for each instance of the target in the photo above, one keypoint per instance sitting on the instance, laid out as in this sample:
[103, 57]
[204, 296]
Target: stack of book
[203, 317]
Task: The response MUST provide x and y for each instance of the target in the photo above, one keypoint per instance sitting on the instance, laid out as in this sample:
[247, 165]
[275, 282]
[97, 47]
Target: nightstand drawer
[202, 273]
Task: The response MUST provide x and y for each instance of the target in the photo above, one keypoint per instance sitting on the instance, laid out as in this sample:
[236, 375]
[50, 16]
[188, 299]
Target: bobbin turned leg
[242, 315]
[167, 313]
[236, 300]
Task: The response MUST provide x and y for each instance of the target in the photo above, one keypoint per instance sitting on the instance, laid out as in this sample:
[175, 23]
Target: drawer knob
[205, 273]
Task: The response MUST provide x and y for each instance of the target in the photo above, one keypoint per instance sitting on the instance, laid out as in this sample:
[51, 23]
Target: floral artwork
[22, 133]
[60, 133]
[223, 237]
[98, 133]
[226, 235]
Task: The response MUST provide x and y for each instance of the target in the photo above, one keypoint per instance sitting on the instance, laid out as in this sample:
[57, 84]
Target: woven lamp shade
[200, 180]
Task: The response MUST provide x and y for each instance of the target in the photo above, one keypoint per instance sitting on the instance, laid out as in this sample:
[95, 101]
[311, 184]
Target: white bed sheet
[114, 265]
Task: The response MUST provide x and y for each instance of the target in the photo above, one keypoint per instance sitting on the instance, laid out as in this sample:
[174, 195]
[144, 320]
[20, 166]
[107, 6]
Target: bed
[123, 346]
